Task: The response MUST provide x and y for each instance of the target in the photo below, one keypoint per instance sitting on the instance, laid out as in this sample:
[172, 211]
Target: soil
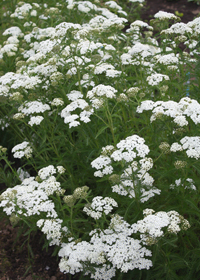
[188, 9]
[15, 263]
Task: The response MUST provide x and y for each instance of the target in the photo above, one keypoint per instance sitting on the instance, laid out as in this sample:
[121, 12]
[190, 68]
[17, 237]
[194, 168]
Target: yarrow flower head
[69, 200]
[17, 96]
[57, 102]
[176, 110]
[74, 119]
[35, 120]
[53, 230]
[46, 172]
[99, 206]
[60, 169]
[178, 28]
[134, 1]
[22, 150]
[3, 150]
[99, 92]
[111, 249]
[151, 227]
[179, 164]
[165, 147]
[186, 184]
[155, 79]
[18, 116]
[81, 192]
[165, 16]
[31, 198]
[126, 152]
[168, 59]
[32, 107]
[13, 31]
[190, 144]
[131, 92]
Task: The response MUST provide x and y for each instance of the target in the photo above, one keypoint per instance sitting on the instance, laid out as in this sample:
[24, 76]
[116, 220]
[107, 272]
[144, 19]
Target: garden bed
[19, 263]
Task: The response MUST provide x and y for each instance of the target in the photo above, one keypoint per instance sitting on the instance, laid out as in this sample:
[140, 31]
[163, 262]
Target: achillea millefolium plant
[100, 136]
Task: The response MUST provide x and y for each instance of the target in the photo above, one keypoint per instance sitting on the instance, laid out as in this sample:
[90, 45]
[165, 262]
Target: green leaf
[117, 116]
[28, 269]
[30, 251]
[30, 230]
[101, 130]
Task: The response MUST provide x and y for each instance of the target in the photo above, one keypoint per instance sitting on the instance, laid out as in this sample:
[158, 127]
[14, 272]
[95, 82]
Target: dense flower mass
[53, 230]
[177, 110]
[31, 197]
[190, 144]
[151, 227]
[100, 141]
[114, 245]
[134, 175]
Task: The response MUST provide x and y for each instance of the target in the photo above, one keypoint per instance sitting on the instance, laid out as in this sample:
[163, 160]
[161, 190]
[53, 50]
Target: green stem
[71, 219]
[13, 171]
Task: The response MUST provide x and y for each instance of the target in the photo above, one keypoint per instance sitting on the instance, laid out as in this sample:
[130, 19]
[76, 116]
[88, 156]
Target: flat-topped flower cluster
[103, 119]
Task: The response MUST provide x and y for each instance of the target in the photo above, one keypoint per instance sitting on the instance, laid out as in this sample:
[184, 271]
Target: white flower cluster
[49, 170]
[109, 70]
[115, 248]
[107, 21]
[32, 107]
[57, 102]
[13, 31]
[82, 6]
[25, 10]
[10, 48]
[29, 108]
[11, 44]
[151, 227]
[178, 28]
[134, 175]
[139, 1]
[195, 25]
[136, 181]
[139, 23]
[35, 120]
[168, 59]
[13, 81]
[178, 111]
[99, 206]
[114, 245]
[27, 199]
[161, 15]
[77, 103]
[139, 54]
[21, 150]
[127, 150]
[114, 5]
[155, 79]
[53, 230]
[32, 197]
[22, 174]
[190, 144]
[85, 46]
[99, 93]
[187, 184]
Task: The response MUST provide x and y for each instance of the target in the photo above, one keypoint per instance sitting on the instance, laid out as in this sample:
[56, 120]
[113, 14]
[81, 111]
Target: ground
[188, 9]
[14, 260]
